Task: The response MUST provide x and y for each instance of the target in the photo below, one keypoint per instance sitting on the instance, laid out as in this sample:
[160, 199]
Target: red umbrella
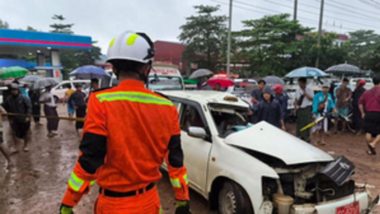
[221, 80]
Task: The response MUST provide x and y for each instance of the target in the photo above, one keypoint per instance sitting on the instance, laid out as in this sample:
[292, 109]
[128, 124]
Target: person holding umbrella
[50, 110]
[78, 101]
[202, 75]
[21, 108]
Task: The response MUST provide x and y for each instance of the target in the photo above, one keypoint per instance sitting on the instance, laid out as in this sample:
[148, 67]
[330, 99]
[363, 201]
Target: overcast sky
[161, 19]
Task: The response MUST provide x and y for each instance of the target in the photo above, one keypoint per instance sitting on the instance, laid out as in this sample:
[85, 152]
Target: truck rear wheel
[232, 199]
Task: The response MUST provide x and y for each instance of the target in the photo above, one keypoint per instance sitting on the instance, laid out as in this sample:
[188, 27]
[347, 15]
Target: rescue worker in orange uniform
[129, 131]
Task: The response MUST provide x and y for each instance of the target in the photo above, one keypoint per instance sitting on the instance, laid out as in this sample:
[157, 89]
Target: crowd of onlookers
[22, 105]
[330, 109]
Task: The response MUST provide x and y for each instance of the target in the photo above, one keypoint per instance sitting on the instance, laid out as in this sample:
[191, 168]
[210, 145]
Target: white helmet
[131, 46]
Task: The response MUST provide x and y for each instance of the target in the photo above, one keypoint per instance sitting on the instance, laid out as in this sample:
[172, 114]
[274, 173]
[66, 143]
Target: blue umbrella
[89, 72]
[308, 72]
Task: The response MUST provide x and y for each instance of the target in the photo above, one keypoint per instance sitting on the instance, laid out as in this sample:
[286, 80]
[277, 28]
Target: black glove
[182, 207]
[65, 209]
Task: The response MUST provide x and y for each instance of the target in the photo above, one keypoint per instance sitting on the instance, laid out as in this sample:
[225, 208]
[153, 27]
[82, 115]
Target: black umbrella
[202, 72]
[273, 80]
[344, 69]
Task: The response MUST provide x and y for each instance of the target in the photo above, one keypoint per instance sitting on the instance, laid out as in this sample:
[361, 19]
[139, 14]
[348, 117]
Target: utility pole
[319, 33]
[229, 39]
[295, 10]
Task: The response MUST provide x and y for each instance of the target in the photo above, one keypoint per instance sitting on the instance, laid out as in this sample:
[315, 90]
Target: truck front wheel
[232, 199]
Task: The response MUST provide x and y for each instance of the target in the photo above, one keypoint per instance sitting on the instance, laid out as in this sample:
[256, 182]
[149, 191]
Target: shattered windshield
[229, 119]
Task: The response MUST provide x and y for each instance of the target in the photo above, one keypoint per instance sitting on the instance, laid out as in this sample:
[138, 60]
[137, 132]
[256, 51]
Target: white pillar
[56, 63]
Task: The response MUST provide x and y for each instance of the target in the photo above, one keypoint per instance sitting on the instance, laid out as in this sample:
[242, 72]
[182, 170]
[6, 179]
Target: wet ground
[38, 181]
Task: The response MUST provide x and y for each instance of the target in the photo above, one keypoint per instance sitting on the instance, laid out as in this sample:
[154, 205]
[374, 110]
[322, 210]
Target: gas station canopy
[16, 41]
[45, 46]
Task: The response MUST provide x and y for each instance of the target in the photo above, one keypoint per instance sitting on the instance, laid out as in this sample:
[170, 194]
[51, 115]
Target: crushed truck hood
[270, 140]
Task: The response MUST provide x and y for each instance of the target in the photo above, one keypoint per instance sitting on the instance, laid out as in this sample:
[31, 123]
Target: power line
[372, 3]
[365, 17]
[271, 12]
[249, 9]
[348, 8]
[245, 8]
[330, 3]
[366, 10]
[341, 19]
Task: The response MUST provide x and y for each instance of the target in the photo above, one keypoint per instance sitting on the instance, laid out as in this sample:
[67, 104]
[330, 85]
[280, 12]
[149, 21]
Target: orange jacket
[128, 132]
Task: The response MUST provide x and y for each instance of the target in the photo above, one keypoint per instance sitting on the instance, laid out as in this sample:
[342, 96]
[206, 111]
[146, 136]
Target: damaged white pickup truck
[242, 168]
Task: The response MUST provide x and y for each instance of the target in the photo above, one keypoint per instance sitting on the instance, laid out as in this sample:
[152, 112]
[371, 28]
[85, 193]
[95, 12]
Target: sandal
[371, 150]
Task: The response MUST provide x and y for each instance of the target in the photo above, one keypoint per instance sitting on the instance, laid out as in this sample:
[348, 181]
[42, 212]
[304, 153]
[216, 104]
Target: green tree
[364, 49]
[71, 59]
[30, 28]
[60, 26]
[204, 35]
[270, 44]
[4, 24]
[331, 53]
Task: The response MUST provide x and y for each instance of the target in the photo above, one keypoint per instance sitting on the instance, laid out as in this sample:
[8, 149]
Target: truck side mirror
[197, 132]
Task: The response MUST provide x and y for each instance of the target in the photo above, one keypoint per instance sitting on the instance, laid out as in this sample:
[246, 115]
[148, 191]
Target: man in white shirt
[50, 110]
[303, 106]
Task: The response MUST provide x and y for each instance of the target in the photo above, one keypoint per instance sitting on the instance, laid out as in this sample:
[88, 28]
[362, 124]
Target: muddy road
[37, 182]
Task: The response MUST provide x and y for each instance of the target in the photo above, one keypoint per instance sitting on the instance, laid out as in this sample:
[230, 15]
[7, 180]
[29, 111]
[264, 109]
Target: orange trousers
[146, 203]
